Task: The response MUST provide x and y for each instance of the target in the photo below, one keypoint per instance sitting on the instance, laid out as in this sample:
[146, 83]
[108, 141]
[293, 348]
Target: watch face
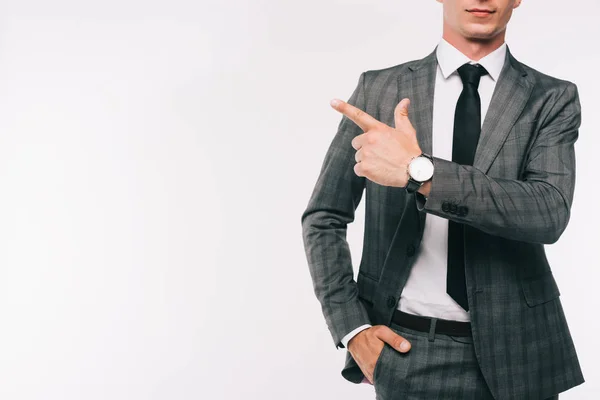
[420, 169]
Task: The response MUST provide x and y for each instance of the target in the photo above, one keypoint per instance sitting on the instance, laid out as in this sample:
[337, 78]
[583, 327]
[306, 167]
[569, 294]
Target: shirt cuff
[353, 333]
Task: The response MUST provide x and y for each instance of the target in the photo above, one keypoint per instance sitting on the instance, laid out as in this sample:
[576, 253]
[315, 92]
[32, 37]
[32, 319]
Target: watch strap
[412, 185]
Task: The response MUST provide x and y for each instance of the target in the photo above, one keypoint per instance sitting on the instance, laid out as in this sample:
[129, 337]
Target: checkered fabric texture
[515, 198]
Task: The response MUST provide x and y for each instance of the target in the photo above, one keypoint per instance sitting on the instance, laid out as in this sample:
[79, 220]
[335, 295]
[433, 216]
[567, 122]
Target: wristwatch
[420, 170]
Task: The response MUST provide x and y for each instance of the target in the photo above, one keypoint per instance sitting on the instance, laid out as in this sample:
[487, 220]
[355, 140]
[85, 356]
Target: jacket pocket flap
[540, 289]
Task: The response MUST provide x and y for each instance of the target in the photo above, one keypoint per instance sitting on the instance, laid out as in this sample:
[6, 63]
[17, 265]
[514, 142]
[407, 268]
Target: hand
[383, 153]
[367, 345]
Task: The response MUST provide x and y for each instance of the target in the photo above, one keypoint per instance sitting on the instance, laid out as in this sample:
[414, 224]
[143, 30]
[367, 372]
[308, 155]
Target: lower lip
[480, 13]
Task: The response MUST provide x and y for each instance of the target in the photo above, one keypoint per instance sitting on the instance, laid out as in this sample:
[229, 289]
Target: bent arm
[331, 208]
[534, 209]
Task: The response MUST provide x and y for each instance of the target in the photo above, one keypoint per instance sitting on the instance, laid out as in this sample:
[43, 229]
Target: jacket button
[391, 301]
[445, 206]
[453, 208]
[410, 250]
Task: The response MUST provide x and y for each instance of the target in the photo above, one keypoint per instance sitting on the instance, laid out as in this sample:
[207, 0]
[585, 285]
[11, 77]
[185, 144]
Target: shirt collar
[450, 58]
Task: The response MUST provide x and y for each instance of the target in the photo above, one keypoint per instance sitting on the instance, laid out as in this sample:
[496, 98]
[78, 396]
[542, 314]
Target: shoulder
[380, 86]
[548, 84]
[382, 77]
[554, 96]
[557, 97]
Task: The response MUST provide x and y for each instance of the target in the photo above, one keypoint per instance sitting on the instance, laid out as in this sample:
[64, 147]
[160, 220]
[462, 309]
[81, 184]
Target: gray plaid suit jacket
[515, 198]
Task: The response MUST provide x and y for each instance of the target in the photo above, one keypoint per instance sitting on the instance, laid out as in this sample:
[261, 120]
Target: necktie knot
[471, 73]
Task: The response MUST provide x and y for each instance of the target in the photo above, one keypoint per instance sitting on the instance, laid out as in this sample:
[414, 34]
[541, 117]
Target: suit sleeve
[330, 209]
[533, 209]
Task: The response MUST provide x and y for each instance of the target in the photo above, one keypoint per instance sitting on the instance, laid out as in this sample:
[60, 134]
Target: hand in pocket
[367, 345]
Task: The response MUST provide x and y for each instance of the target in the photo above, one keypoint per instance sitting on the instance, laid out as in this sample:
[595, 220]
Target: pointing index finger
[360, 118]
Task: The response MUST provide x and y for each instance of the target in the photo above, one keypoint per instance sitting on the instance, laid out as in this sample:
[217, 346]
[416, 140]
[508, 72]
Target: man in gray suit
[454, 298]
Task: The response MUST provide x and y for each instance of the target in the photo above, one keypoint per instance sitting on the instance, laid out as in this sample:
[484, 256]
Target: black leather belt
[421, 323]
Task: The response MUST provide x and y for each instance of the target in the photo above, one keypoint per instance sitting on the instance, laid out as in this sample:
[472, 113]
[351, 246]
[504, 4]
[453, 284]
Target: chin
[479, 32]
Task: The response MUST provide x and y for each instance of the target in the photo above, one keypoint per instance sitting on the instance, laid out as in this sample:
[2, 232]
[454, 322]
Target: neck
[474, 48]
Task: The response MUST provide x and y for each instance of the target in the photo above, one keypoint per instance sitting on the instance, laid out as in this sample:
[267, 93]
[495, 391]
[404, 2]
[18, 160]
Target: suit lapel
[508, 101]
[418, 84]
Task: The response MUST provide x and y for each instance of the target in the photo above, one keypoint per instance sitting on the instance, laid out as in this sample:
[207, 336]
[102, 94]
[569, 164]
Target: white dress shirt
[425, 290]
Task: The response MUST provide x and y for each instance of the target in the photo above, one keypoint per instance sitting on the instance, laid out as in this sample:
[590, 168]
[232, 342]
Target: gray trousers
[437, 366]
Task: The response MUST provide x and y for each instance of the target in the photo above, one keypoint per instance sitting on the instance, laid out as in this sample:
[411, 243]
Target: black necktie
[467, 126]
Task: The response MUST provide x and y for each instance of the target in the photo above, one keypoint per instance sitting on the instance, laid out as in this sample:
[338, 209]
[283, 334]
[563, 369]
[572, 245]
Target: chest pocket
[539, 289]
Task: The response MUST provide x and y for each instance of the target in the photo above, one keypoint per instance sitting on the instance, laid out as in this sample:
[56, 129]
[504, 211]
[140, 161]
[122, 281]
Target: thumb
[401, 112]
[398, 342]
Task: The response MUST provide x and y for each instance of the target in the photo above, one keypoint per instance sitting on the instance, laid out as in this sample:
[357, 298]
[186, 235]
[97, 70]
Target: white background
[155, 159]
